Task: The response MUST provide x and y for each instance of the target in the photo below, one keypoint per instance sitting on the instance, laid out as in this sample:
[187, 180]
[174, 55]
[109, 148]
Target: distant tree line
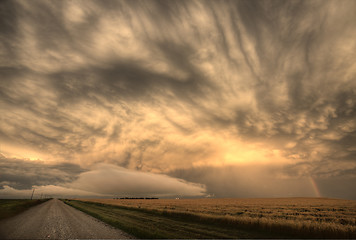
[136, 198]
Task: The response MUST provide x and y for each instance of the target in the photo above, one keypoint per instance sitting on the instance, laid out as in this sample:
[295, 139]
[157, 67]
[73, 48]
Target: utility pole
[32, 193]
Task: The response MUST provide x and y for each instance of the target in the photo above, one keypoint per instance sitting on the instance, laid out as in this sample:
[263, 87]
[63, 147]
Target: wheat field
[335, 216]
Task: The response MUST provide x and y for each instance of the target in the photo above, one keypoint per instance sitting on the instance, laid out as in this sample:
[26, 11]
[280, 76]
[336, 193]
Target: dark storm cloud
[245, 181]
[23, 174]
[257, 181]
[100, 84]
[123, 81]
[157, 85]
[19, 176]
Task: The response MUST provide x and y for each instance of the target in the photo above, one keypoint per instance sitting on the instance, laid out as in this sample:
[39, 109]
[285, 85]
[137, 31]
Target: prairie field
[11, 207]
[332, 217]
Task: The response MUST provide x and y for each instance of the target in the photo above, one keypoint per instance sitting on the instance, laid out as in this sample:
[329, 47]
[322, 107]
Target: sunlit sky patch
[224, 98]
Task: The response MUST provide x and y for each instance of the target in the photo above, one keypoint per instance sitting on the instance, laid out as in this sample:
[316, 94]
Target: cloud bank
[121, 182]
[160, 86]
[19, 177]
[47, 191]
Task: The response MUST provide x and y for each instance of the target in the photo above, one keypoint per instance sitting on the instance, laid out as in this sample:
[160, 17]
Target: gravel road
[56, 220]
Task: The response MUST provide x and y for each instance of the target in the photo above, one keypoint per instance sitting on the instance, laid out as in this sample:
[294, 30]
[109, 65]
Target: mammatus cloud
[159, 86]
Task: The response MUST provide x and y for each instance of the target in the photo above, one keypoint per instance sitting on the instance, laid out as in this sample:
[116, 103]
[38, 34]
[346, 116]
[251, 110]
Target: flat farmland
[308, 217]
[11, 207]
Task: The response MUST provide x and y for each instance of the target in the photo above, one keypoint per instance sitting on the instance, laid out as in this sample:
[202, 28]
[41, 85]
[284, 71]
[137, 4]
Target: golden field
[297, 209]
[307, 214]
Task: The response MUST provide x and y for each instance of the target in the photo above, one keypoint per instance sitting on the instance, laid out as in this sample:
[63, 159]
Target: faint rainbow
[315, 187]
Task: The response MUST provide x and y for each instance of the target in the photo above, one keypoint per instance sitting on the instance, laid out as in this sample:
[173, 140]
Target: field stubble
[311, 217]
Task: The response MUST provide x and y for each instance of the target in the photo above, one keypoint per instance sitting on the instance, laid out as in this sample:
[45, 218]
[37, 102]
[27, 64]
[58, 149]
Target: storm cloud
[23, 173]
[165, 87]
[111, 180]
[20, 176]
[253, 181]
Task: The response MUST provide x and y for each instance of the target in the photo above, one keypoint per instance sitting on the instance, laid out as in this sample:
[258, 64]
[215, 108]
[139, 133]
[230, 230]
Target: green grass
[12, 207]
[143, 223]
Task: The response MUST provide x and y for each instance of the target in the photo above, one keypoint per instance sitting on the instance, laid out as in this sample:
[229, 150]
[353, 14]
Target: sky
[178, 98]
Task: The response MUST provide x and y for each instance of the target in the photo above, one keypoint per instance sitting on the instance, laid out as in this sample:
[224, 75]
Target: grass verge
[12, 207]
[143, 223]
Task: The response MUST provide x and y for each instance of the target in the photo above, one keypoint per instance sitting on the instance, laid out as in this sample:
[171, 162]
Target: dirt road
[56, 220]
